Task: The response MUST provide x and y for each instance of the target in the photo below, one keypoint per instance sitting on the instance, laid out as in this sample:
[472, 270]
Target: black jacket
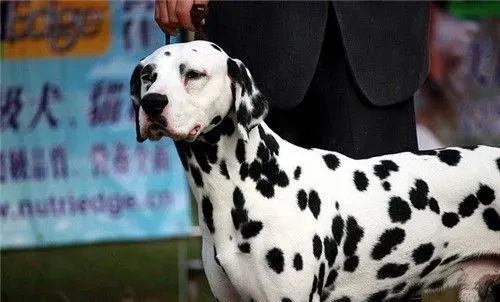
[280, 42]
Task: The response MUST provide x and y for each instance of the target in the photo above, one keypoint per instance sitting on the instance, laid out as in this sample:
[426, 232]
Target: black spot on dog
[317, 246]
[204, 155]
[314, 203]
[360, 180]
[418, 194]
[436, 284]
[226, 127]
[399, 210]
[492, 219]
[282, 179]
[337, 205]
[167, 53]
[398, 288]
[182, 68]
[216, 47]
[240, 151]
[270, 169]
[378, 296]
[207, 210]
[260, 105]
[429, 268]
[331, 161]
[243, 116]
[321, 278]
[297, 262]
[296, 173]
[387, 242]
[351, 263]
[330, 250]
[223, 169]
[265, 188]
[354, 234]
[196, 174]
[498, 164]
[313, 289]
[251, 229]
[275, 260]
[445, 245]
[384, 169]
[474, 147]
[337, 228]
[244, 171]
[450, 259]
[467, 207]
[433, 205]
[269, 141]
[245, 80]
[392, 270]
[244, 247]
[286, 300]
[450, 157]
[423, 253]
[238, 198]
[239, 216]
[233, 93]
[386, 185]
[302, 199]
[485, 194]
[217, 119]
[263, 152]
[233, 70]
[183, 151]
[254, 170]
[330, 279]
[450, 219]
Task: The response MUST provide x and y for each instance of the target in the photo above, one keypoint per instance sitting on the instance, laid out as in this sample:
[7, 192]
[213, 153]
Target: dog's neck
[226, 143]
[224, 154]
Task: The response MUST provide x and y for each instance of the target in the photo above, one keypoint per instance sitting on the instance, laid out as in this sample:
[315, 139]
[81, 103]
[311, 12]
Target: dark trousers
[335, 115]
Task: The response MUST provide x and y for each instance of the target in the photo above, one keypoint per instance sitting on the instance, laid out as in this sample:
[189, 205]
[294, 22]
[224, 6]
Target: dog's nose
[153, 103]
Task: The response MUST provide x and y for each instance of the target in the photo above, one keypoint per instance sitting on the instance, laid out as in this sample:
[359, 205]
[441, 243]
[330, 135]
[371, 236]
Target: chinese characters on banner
[71, 170]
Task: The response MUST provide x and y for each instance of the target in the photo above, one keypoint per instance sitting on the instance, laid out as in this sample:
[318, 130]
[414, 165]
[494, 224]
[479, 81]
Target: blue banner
[71, 170]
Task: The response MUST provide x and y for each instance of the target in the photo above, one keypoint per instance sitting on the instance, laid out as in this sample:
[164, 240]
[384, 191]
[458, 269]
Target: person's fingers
[172, 16]
[183, 12]
[161, 16]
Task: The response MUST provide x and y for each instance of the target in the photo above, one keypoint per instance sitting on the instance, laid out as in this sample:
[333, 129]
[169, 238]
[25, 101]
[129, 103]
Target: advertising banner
[71, 170]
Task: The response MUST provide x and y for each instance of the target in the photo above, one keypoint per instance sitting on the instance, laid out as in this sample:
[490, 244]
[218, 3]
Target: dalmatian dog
[284, 223]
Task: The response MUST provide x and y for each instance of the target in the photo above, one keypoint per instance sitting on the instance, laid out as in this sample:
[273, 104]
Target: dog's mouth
[156, 131]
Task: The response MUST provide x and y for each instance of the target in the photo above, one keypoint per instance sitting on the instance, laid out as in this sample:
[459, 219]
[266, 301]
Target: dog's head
[184, 90]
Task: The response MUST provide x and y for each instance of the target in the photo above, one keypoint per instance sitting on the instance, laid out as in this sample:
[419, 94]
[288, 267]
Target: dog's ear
[135, 95]
[250, 105]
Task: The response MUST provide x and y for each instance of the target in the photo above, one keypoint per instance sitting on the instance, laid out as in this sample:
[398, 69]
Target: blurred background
[89, 214]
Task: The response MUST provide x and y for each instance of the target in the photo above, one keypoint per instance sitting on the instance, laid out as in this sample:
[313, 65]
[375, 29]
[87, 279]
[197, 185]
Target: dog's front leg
[219, 283]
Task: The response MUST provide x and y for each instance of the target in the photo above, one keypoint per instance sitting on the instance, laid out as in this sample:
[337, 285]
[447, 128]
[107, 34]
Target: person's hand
[173, 14]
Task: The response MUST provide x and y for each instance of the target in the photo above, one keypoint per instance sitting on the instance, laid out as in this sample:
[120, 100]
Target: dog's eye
[194, 75]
